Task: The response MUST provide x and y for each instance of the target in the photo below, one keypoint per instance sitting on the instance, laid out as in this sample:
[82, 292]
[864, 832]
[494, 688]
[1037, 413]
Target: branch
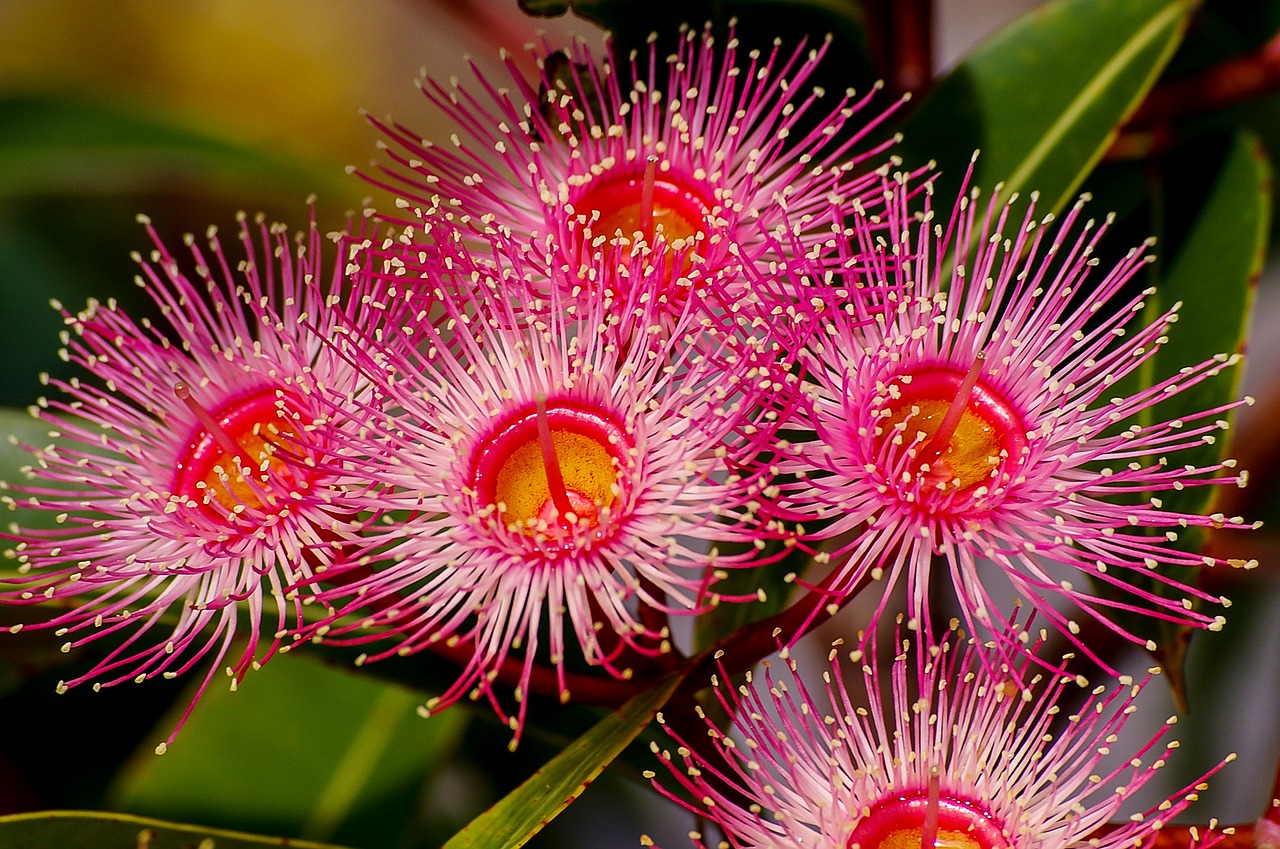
[900, 40]
[1236, 80]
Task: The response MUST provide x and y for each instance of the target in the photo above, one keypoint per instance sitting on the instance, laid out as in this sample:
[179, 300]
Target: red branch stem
[1236, 80]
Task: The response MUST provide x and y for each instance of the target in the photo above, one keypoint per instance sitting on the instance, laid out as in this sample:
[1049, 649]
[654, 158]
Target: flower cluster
[706, 160]
[638, 332]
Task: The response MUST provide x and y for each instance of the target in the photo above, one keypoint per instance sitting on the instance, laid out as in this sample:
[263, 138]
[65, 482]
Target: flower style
[953, 758]
[594, 156]
[971, 415]
[560, 468]
[184, 485]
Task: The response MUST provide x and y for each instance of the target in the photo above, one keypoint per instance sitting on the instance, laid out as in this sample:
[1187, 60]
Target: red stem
[745, 647]
[1231, 81]
[1239, 79]
[900, 40]
[912, 33]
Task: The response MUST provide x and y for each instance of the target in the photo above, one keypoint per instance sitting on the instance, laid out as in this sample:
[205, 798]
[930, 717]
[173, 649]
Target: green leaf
[1212, 272]
[56, 144]
[18, 428]
[1213, 275]
[300, 747]
[1042, 98]
[93, 830]
[550, 790]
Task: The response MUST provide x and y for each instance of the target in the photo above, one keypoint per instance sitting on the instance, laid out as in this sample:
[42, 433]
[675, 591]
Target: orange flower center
[647, 203]
[243, 455]
[963, 434]
[552, 470]
[673, 211]
[916, 821]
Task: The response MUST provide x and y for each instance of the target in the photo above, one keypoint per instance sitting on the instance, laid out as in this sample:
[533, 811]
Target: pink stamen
[555, 480]
[217, 431]
[646, 196]
[929, 831]
[947, 429]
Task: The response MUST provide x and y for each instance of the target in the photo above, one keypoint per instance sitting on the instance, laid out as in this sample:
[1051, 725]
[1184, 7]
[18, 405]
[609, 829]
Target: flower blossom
[566, 472]
[700, 159]
[973, 413]
[945, 754]
[183, 481]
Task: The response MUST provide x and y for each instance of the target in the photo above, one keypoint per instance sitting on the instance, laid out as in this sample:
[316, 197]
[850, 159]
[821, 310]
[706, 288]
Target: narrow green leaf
[94, 830]
[1212, 271]
[1042, 98]
[345, 765]
[550, 790]
[1213, 275]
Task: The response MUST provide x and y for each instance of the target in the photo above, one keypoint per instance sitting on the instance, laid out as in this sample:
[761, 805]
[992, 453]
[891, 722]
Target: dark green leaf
[1224, 29]
[18, 429]
[1213, 275]
[1212, 272]
[93, 830]
[769, 582]
[334, 755]
[523, 813]
[1042, 98]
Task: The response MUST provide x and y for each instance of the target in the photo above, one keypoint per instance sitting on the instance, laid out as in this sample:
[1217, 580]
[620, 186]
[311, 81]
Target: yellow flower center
[962, 435]
[912, 838]
[553, 469]
[646, 204]
[243, 455]
[588, 469]
[971, 455]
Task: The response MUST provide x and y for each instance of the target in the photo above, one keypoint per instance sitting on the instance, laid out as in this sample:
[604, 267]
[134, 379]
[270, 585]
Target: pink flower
[972, 415]
[184, 486]
[562, 469]
[702, 158]
[944, 754]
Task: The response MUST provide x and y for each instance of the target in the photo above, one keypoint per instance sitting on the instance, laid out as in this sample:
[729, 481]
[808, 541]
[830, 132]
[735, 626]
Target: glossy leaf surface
[301, 747]
[93, 830]
[523, 813]
[1211, 270]
[1042, 98]
[53, 144]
